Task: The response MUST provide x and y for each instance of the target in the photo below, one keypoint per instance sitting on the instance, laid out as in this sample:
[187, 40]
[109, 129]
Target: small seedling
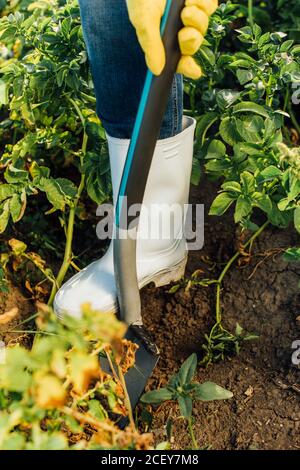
[185, 391]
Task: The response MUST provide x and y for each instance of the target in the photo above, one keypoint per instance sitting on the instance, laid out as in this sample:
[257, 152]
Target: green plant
[244, 117]
[292, 254]
[185, 391]
[55, 396]
[46, 88]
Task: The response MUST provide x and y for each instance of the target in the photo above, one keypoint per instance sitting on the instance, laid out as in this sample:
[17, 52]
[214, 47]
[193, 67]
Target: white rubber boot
[160, 259]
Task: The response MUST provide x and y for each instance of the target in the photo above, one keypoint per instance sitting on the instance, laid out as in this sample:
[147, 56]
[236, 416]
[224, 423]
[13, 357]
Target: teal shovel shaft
[146, 131]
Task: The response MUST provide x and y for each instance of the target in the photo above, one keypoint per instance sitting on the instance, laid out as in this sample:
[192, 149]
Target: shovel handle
[150, 114]
[146, 131]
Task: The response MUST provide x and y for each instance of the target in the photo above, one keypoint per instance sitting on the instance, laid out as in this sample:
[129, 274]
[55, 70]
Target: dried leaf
[49, 392]
[124, 354]
[18, 247]
[82, 369]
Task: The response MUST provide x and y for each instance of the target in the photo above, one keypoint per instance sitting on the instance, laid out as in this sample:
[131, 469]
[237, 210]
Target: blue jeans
[118, 69]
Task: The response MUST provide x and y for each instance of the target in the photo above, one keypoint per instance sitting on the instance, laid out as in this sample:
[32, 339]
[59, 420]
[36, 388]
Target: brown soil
[14, 309]
[264, 298]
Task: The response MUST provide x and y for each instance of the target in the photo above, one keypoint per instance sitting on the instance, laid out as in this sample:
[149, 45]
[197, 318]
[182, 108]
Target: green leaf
[53, 193]
[66, 187]
[203, 125]
[15, 375]
[163, 446]
[250, 107]
[174, 289]
[250, 128]
[262, 201]
[14, 441]
[248, 148]
[98, 181]
[188, 369]
[66, 26]
[3, 93]
[216, 149]
[17, 206]
[270, 128]
[6, 191]
[4, 215]
[233, 186]
[97, 410]
[96, 135]
[270, 173]
[278, 218]
[15, 175]
[210, 391]
[196, 172]
[229, 132]
[185, 406]
[157, 396]
[244, 76]
[169, 428]
[238, 330]
[225, 98]
[297, 219]
[37, 171]
[292, 255]
[208, 55]
[220, 205]
[284, 204]
[248, 225]
[248, 182]
[218, 166]
[242, 209]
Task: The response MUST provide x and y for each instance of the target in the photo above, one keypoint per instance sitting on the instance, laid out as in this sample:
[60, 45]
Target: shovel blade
[137, 377]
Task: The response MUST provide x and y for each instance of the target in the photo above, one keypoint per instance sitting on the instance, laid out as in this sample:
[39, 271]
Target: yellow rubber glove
[146, 15]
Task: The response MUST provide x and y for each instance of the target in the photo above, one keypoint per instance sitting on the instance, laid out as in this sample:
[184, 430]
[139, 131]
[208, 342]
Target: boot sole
[165, 277]
[160, 279]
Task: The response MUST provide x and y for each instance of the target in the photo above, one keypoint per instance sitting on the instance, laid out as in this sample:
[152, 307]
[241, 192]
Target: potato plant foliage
[54, 170]
[55, 396]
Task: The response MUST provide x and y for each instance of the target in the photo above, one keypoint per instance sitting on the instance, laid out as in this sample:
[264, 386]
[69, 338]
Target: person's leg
[118, 68]
[119, 71]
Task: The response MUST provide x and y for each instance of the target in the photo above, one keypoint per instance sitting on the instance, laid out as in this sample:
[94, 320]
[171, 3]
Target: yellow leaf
[17, 246]
[82, 369]
[49, 392]
[58, 364]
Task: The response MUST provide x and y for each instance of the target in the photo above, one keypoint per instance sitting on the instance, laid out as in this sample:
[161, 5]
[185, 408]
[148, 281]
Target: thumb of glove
[146, 17]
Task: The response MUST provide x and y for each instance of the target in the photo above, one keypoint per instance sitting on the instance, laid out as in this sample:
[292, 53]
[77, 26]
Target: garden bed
[263, 297]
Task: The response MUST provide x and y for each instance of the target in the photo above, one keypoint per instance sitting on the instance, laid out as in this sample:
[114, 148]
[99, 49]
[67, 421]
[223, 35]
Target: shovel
[146, 132]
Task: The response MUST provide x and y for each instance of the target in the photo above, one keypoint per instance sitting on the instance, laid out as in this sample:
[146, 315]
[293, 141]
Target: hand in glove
[146, 15]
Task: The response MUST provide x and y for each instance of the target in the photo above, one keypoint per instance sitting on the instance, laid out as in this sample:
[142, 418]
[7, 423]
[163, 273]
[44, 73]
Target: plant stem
[127, 398]
[228, 266]
[193, 99]
[70, 225]
[286, 99]
[250, 13]
[191, 431]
